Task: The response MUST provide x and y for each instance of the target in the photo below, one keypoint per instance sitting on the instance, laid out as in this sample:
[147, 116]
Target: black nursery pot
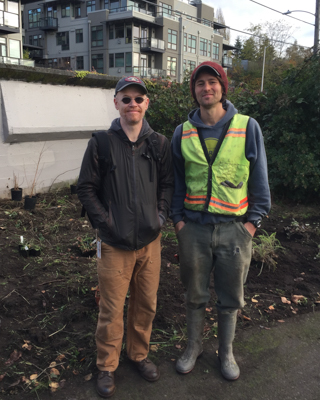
[23, 251]
[30, 202]
[34, 252]
[16, 194]
[73, 189]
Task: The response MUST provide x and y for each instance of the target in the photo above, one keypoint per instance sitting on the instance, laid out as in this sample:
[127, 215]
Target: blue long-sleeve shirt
[258, 186]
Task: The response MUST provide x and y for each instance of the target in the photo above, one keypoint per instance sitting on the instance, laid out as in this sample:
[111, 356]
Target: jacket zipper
[135, 199]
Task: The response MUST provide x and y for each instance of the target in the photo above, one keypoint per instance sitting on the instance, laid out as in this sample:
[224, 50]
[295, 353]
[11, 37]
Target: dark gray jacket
[131, 201]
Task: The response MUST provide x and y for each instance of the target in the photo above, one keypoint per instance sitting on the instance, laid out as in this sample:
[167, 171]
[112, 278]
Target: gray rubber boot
[195, 324]
[226, 331]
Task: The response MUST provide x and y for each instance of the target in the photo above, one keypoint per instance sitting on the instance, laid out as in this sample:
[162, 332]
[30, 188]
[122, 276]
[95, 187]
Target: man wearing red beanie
[221, 195]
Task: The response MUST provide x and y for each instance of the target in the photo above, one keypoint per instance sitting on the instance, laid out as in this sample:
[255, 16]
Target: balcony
[49, 24]
[16, 61]
[227, 61]
[151, 45]
[145, 72]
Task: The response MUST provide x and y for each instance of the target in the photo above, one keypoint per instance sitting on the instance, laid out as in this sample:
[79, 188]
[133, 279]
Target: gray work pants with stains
[225, 249]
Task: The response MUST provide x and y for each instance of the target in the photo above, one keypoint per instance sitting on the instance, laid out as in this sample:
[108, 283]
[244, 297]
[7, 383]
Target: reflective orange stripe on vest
[222, 205]
[189, 133]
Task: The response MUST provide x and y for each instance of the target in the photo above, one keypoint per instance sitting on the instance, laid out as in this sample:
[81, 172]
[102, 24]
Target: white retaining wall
[50, 122]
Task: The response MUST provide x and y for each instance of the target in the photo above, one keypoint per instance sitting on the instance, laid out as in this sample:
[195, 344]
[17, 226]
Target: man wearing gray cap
[221, 195]
[126, 191]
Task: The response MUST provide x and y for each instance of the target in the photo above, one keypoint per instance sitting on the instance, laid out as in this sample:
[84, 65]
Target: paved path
[282, 363]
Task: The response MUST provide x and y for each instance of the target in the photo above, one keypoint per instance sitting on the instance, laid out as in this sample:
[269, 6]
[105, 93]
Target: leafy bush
[170, 104]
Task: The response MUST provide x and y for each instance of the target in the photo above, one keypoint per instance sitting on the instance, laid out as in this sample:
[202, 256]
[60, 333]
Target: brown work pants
[119, 270]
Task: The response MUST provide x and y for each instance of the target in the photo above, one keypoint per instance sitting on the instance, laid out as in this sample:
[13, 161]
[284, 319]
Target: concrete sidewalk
[278, 364]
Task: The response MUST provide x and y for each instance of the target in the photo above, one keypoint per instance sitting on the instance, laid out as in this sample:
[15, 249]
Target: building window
[119, 31]
[184, 42]
[97, 36]
[128, 62]
[106, 4]
[215, 51]
[34, 18]
[172, 39]
[35, 40]
[52, 12]
[3, 47]
[203, 47]
[171, 66]
[165, 10]
[65, 11]
[77, 11]
[91, 6]
[119, 59]
[111, 31]
[207, 22]
[114, 4]
[184, 65]
[111, 60]
[63, 40]
[191, 65]
[128, 34]
[209, 48]
[79, 61]
[192, 40]
[79, 35]
[14, 48]
[97, 62]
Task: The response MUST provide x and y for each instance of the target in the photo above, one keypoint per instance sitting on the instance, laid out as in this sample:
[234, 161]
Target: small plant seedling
[264, 250]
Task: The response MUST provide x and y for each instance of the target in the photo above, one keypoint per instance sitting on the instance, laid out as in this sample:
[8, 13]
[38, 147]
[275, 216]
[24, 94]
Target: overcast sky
[239, 14]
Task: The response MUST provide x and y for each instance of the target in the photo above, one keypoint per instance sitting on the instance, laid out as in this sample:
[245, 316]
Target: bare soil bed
[48, 311]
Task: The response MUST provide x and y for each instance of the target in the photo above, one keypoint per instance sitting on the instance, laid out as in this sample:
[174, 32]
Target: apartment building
[124, 37]
[11, 50]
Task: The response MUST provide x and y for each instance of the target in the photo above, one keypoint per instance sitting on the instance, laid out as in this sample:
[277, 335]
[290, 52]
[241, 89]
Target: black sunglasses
[138, 100]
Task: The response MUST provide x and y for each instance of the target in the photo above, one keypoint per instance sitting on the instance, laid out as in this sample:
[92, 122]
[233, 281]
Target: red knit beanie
[216, 70]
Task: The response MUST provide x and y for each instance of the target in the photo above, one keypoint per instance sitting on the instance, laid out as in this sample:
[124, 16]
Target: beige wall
[57, 120]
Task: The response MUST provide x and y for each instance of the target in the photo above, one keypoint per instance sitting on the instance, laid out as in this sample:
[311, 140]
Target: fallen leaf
[54, 371]
[14, 356]
[95, 288]
[209, 309]
[27, 346]
[43, 291]
[75, 372]
[2, 376]
[88, 377]
[296, 298]
[173, 359]
[285, 300]
[271, 308]
[178, 346]
[54, 385]
[168, 264]
[60, 357]
[298, 279]
[53, 364]
[254, 300]
[246, 318]
[154, 347]
[25, 379]
[3, 228]
[211, 319]
[280, 320]
[33, 377]
[264, 327]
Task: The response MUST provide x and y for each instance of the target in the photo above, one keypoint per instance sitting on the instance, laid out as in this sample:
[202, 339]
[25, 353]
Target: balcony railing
[151, 44]
[49, 24]
[226, 61]
[16, 61]
[132, 8]
[145, 72]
